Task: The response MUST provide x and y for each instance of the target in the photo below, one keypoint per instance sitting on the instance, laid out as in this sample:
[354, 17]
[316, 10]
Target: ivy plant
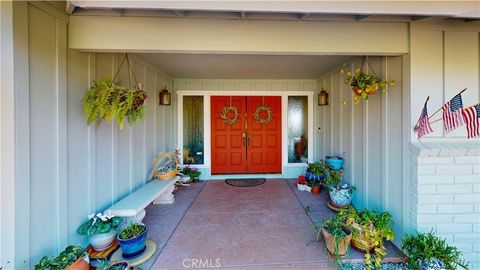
[63, 260]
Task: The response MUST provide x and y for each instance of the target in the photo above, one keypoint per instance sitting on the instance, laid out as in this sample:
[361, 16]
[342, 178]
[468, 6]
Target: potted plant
[194, 173]
[370, 229]
[364, 84]
[426, 251]
[106, 265]
[132, 240]
[108, 100]
[72, 258]
[101, 230]
[340, 193]
[316, 171]
[315, 186]
[335, 162]
[337, 236]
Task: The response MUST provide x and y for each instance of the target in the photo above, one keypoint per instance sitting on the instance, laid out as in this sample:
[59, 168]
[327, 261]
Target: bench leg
[167, 197]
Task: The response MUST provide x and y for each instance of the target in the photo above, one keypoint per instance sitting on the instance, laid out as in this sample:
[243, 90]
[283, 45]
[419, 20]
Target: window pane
[193, 151]
[297, 129]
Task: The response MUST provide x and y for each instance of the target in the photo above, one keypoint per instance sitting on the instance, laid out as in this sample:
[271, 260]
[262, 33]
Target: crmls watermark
[196, 263]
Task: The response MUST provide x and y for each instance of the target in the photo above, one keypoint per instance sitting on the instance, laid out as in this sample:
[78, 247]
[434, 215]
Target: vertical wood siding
[65, 168]
[369, 134]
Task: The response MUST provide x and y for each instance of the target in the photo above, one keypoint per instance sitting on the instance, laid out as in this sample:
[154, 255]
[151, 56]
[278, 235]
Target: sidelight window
[297, 115]
[193, 142]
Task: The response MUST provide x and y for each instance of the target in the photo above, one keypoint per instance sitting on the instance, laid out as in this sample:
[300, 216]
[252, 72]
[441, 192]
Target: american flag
[452, 113]
[423, 127]
[471, 117]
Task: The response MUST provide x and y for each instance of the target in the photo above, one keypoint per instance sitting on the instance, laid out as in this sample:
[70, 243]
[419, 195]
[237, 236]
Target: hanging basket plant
[364, 84]
[109, 100]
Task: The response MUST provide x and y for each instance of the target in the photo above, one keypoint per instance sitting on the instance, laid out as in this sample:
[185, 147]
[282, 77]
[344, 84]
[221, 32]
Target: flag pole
[465, 89]
[472, 106]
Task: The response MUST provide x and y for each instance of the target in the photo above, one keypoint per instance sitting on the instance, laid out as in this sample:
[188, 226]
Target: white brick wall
[445, 193]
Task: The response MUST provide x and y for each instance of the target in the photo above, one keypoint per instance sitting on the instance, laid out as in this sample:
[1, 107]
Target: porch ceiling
[243, 66]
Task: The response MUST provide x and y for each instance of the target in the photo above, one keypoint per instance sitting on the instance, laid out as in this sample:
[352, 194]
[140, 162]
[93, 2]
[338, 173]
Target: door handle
[248, 140]
[244, 138]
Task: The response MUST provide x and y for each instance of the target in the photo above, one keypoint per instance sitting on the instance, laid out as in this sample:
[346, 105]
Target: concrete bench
[133, 206]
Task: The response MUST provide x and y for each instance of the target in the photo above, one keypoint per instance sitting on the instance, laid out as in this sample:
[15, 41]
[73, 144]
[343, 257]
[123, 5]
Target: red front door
[242, 142]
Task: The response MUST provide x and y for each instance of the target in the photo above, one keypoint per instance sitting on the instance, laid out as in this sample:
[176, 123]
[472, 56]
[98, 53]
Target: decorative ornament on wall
[258, 112]
[229, 114]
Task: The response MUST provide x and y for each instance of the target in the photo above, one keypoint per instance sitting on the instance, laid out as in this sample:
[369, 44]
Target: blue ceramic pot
[342, 197]
[334, 162]
[432, 264]
[310, 176]
[133, 246]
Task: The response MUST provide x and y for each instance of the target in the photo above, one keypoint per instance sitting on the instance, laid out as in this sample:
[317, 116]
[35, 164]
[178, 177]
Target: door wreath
[226, 111]
[263, 108]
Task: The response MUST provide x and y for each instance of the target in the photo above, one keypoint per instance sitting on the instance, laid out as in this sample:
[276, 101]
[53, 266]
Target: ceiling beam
[361, 17]
[418, 18]
[243, 15]
[180, 13]
[303, 16]
[70, 8]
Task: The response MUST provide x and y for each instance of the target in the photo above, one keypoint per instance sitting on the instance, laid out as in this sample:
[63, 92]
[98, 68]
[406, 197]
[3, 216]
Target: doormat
[245, 182]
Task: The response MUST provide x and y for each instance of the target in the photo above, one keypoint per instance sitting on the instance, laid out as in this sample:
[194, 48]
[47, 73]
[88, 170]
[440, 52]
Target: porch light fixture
[165, 98]
[323, 98]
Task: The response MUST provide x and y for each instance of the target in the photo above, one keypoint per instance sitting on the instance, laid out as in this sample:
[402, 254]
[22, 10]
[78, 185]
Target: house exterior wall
[445, 193]
[369, 134]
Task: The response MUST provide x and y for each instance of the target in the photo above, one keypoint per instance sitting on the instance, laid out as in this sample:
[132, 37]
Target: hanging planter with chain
[258, 113]
[364, 84]
[109, 100]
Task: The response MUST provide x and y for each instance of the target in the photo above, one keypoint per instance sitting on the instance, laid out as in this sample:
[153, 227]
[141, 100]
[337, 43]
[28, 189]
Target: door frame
[207, 125]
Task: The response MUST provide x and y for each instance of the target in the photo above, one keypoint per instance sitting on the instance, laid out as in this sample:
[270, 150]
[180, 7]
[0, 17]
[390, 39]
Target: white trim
[207, 125]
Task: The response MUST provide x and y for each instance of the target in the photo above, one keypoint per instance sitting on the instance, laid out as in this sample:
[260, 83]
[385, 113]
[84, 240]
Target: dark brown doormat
[245, 182]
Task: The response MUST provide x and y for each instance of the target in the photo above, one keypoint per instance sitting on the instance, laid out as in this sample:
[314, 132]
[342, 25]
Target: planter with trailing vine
[132, 240]
[337, 237]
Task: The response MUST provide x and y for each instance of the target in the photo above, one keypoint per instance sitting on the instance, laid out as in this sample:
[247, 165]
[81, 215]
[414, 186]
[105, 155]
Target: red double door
[247, 145]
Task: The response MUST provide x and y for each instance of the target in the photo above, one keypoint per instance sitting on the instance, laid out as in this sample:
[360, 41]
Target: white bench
[133, 206]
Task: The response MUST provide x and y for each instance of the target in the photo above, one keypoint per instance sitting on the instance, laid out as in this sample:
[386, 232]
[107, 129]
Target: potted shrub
[370, 229]
[364, 85]
[315, 186]
[316, 171]
[426, 251]
[194, 173]
[72, 258]
[108, 100]
[106, 265]
[340, 193]
[101, 229]
[132, 240]
[337, 236]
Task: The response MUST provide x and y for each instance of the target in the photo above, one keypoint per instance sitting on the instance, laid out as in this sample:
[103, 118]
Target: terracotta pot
[316, 190]
[80, 264]
[343, 243]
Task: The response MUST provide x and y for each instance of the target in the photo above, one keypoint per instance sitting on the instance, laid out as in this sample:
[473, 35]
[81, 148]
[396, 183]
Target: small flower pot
[316, 190]
[432, 264]
[80, 264]
[133, 246]
[103, 241]
[341, 197]
[343, 243]
[335, 162]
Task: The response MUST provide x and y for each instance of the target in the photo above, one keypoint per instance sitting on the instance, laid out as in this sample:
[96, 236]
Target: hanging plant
[109, 100]
[364, 84]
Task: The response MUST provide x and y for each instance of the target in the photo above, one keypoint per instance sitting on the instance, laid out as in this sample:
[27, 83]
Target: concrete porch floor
[263, 227]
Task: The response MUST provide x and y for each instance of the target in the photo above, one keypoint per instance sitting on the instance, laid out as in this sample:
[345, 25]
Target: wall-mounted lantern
[165, 98]
[323, 98]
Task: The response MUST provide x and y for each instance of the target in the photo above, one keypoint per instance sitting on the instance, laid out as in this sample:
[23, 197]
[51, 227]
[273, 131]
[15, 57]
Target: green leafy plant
[132, 231]
[339, 232]
[98, 223]
[106, 265]
[318, 168]
[107, 100]
[63, 260]
[370, 229]
[423, 247]
[364, 84]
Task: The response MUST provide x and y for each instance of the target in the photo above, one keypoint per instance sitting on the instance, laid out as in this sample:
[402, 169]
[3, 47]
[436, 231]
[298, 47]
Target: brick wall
[445, 193]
